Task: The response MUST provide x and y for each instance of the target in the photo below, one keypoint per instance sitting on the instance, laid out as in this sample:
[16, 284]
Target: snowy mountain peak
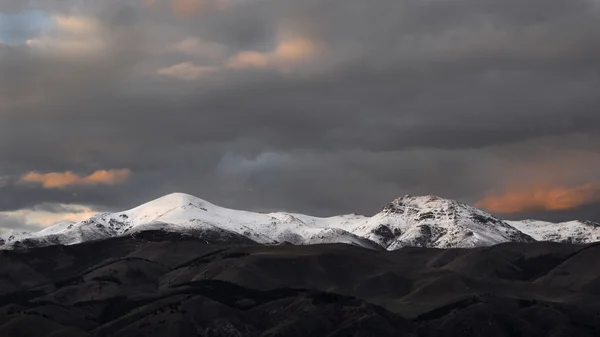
[429, 203]
[571, 231]
[432, 221]
[590, 223]
[423, 201]
[424, 221]
[175, 200]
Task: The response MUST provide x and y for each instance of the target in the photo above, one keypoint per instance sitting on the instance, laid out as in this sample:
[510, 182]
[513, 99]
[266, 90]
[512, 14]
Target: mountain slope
[186, 214]
[579, 232]
[168, 286]
[425, 221]
[430, 221]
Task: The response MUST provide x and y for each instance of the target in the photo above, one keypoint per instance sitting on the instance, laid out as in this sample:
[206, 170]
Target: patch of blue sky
[17, 28]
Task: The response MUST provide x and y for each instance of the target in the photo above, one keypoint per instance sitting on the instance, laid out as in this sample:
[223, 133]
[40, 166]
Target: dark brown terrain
[158, 284]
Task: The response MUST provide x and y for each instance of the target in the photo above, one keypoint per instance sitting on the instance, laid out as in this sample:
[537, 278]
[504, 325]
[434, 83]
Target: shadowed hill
[164, 284]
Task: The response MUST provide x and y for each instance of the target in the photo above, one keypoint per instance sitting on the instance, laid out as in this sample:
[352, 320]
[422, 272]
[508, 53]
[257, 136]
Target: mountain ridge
[408, 221]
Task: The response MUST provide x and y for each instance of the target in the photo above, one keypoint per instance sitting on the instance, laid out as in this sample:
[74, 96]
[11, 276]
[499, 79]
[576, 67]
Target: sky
[315, 106]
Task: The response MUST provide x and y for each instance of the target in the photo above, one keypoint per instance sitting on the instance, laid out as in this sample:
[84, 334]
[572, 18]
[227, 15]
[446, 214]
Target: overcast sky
[313, 106]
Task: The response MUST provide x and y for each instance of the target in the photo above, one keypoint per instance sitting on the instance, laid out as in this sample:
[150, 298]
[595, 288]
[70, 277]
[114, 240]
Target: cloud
[196, 47]
[148, 3]
[41, 216]
[186, 71]
[394, 97]
[191, 7]
[68, 178]
[71, 36]
[56, 208]
[17, 27]
[186, 7]
[5, 180]
[76, 24]
[285, 55]
[541, 198]
[44, 215]
[11, 222]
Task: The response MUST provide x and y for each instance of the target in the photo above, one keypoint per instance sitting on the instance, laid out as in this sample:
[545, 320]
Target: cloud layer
[311, 106]
[541, 198]
[68, 178]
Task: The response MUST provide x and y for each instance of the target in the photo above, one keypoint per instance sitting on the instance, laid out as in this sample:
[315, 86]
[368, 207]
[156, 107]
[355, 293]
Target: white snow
[426, 221]
[571, 231]
[56, 228]
[430, 221]
[183, 213]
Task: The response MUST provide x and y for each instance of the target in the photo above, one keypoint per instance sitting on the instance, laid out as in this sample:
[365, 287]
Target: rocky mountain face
[409, 221]
[430, 221]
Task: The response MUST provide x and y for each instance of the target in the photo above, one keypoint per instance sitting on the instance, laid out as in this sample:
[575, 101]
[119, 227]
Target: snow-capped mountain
[425, 221]
[577, 231]
[189, 215]
[430, 221]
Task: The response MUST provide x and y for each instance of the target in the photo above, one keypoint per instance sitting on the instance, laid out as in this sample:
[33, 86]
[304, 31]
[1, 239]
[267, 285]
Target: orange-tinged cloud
[287, 53]
[56, 180]
[285, 57]
[76, 24]
[187, 6]
[44, 218]
[540, 198]
[295, 49]
[72, 36]
[186, 71]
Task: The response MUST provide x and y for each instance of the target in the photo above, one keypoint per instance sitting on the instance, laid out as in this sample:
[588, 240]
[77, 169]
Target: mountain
[422, 221]
[579, 232]
[430, 221]
[165, 286]
[185, 214]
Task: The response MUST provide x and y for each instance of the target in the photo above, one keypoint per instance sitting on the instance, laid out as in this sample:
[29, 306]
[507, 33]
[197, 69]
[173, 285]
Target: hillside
[422, 221]
[159, 284]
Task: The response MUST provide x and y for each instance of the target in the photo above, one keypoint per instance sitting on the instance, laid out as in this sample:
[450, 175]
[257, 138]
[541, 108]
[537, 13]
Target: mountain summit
[431, 221]
[421, 221]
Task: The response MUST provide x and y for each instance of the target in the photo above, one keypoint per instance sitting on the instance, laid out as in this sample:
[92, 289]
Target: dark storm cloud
[441, 97]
